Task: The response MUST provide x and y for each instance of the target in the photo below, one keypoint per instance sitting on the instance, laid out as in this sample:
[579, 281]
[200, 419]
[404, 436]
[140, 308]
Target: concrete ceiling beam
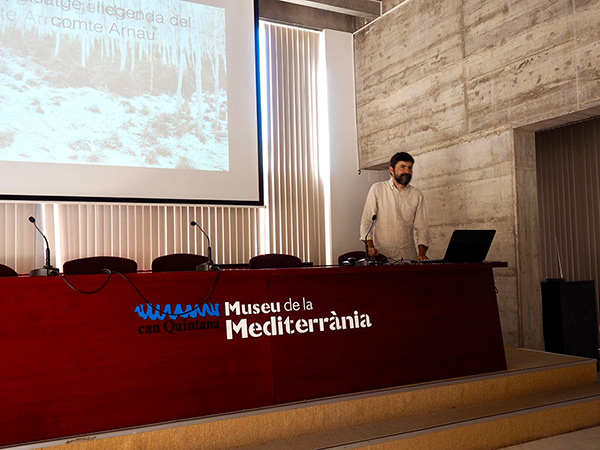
[368, 9]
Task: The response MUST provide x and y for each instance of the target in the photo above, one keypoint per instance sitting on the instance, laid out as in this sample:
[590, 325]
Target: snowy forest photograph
[116, 83]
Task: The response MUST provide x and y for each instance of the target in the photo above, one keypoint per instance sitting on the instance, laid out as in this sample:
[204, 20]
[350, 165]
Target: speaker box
[570, 317]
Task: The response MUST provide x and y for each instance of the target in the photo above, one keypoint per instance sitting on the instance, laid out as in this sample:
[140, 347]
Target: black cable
[62, 275]
[393, 261]
[110, 272]
[403, 261]
[170, 313]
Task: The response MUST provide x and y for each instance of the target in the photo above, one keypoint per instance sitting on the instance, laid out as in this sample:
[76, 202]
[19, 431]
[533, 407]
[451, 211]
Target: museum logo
[169, 314]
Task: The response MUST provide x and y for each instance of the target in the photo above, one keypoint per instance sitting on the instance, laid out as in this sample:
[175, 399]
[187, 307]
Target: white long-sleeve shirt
[401, 223]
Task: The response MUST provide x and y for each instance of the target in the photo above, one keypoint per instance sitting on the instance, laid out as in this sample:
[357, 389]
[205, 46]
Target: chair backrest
[274, 261]
[356, 254]
[178, 262]
[6, 271]
[95, 264]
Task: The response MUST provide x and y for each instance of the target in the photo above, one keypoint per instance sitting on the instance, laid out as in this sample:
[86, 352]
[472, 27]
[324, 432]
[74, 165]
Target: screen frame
[259, 202]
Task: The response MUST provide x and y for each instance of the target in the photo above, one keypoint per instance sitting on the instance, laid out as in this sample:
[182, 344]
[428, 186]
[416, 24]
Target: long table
[76, 363]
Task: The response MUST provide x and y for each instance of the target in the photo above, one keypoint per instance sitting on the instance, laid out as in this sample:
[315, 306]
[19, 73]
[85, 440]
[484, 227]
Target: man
[401, 230]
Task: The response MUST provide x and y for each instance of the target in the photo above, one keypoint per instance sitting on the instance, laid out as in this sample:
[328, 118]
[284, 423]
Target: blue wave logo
[157, 313]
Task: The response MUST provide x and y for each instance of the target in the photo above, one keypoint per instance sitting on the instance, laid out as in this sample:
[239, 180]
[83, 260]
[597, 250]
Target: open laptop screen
[468, 246]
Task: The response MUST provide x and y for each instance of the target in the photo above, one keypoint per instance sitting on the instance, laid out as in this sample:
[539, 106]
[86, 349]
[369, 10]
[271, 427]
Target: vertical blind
[568, 168]
[17, 242]
[295, 196]
[293, 220]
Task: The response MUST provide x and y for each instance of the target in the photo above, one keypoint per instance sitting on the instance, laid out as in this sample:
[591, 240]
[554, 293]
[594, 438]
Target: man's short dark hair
[401, 156]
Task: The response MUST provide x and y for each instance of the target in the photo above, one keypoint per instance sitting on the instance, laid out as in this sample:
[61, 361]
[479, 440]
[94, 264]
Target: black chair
[178, 262]
[6, 271]
[95, 264]
[274, 261]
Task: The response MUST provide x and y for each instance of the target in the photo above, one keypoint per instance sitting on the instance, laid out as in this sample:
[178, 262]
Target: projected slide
[126, 83]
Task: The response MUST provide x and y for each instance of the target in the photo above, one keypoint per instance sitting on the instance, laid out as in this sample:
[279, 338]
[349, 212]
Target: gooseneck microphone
[48, 269]
[367, 257]
[211, 264]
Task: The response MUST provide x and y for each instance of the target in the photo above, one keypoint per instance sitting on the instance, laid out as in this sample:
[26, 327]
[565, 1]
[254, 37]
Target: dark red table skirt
[75, 364]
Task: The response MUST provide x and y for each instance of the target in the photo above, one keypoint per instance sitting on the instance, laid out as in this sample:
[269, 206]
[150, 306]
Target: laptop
[467, 246]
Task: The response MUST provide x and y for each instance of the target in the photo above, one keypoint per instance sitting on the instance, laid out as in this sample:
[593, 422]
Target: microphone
[367, 257]
[48, 269]
[211, 263]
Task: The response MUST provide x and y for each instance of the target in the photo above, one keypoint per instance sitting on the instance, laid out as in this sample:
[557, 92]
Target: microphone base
[206, 266]
[44, 272]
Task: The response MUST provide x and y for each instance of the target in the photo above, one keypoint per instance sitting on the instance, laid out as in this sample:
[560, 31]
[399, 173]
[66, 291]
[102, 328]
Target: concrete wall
[386, 5]
[429, 72]
[461, 84]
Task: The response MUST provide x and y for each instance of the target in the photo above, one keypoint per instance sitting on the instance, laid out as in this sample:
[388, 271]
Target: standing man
[400, 230]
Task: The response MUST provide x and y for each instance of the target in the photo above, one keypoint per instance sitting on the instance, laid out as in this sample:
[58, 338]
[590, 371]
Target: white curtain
[17, 236]
[295, 192]
[292, 222]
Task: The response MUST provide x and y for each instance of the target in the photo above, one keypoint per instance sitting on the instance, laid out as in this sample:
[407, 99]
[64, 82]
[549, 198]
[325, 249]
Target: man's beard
[403, 178]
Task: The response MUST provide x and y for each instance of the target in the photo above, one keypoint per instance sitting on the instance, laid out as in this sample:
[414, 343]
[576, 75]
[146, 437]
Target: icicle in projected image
[117, 83]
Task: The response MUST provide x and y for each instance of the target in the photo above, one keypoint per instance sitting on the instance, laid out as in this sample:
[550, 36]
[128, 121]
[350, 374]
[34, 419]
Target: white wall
[348, 188]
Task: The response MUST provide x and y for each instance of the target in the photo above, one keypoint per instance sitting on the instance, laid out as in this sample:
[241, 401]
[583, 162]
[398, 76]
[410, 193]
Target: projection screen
[130, 101]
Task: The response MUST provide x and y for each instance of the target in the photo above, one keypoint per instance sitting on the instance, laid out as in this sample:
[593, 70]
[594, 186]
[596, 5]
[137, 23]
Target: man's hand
[373, 252]
[423, 253]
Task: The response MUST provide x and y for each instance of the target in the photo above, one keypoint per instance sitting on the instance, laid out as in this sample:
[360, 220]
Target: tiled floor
[578, 440]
